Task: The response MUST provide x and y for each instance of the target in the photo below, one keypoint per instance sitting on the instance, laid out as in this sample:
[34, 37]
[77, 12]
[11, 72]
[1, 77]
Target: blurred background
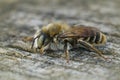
[21, 18]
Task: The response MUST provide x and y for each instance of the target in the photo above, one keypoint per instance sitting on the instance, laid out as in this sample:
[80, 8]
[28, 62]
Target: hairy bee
[89, 37]
[63, 33]
[46, 35]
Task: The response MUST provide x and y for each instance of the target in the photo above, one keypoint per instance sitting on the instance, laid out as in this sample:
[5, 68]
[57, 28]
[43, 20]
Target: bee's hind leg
[91, 47]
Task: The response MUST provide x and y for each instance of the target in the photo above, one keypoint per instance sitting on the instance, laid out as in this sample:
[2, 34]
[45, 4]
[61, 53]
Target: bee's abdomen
[100, 38]
[96, 38]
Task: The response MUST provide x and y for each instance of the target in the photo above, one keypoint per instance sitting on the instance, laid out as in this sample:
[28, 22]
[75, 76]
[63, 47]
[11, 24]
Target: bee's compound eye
[34, 43]
[40, 41]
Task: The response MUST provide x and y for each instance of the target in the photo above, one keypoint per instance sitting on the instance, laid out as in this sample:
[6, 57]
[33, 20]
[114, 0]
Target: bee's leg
[91, 47]
[42, 50]
[74, 44]
[27, 38]
[66, 51]
[35, 50]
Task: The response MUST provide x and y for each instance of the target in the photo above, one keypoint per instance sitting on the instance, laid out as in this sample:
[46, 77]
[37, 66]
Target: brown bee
[63, 33]
[89, 37]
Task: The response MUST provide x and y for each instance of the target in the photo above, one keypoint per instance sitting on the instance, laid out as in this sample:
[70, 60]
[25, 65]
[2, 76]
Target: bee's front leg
[42, 50]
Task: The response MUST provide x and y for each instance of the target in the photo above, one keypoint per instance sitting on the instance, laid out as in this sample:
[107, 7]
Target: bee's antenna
[33, 43]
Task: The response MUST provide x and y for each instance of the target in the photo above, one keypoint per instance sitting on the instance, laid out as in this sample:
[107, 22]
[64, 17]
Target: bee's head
[47, 33]
[41, 40]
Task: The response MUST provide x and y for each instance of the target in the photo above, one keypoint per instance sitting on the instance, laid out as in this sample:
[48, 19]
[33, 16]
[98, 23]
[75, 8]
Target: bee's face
[41, 41]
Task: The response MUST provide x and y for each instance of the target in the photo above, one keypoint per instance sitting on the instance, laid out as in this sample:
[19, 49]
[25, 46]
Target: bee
[46, 35]
[88, 37]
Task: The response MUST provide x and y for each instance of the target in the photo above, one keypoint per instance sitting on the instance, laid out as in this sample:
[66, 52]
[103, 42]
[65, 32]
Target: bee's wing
[78, 32]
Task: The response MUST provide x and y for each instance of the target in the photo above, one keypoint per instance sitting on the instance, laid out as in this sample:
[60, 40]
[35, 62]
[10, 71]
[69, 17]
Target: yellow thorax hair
[55, 28]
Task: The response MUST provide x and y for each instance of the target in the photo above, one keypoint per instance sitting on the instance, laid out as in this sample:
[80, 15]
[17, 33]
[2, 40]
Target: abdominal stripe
[98, 37]
[92, 37]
